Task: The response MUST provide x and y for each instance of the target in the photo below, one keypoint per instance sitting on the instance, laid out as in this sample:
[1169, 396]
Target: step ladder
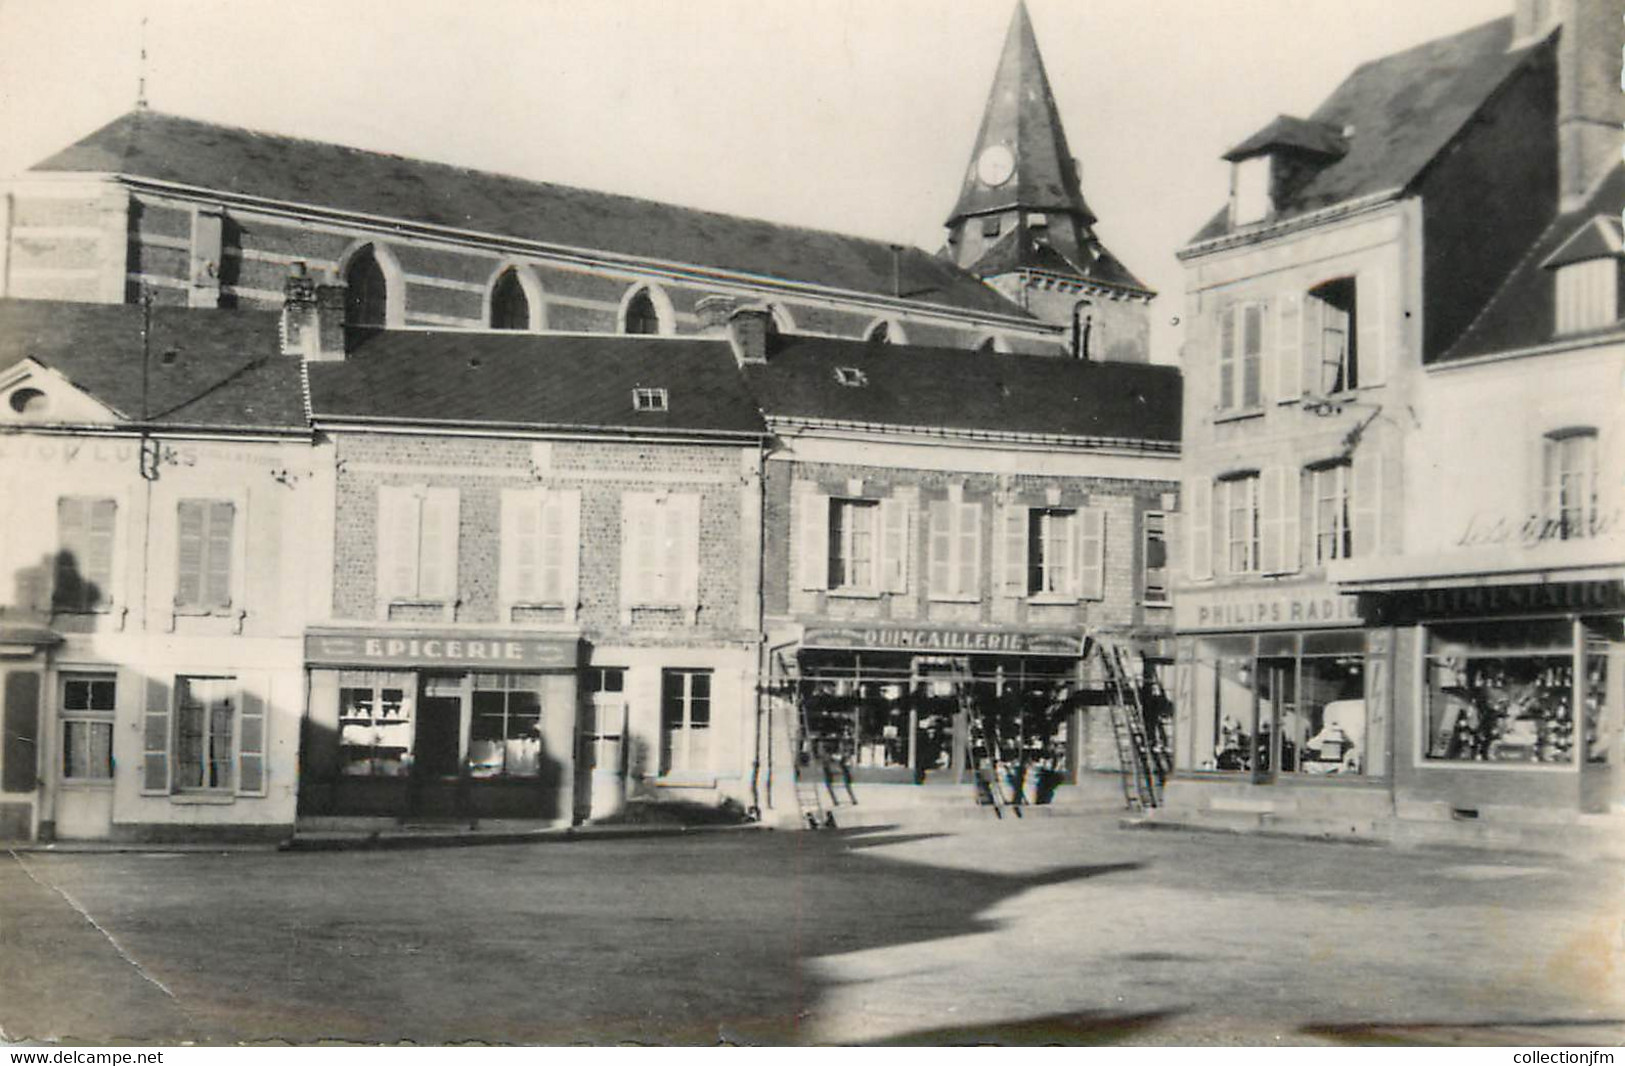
[981, 750]
[809, 803]
[1141, 768]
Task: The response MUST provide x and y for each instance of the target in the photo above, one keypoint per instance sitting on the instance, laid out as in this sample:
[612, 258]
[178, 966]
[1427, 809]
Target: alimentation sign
[397, 647]
[943, 639]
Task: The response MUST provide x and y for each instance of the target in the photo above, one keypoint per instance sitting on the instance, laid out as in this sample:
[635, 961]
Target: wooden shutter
[1271, 489]
[20, 722]
[1252, 355]
[437, 547]
[567, 503]
[548, 547]
[1541, 481]
[939, 547]
[1289, 347]
[894, 543]
[1291, 527]
[636, 546]
[683, 561]
[189, 550]
[1091, 553]
[251, 738]
[1370, 312]
[968, 540]
[155, 736]
[218, 549]
[1227, 357]
[812, 541]
[1310, 367]
[1199, 528]
[1010, 550]
[518, 550]
[1367, 497]
[99, 552]
[72, 524]
[398, 520]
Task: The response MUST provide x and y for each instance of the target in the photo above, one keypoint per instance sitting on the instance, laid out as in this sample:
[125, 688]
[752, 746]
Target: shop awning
[19, 640]
[1599, 559]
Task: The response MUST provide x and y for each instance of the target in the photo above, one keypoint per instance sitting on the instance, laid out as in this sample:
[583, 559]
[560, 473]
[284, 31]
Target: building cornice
[529, 431]
[1271, 230]
[841, 429]
[1566, 344]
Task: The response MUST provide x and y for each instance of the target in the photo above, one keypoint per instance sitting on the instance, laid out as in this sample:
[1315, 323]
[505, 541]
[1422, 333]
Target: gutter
[391, 424]
[1262, 233]
[844, 427]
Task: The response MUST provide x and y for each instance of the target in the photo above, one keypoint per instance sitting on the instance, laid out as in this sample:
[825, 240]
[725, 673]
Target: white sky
[850, 115]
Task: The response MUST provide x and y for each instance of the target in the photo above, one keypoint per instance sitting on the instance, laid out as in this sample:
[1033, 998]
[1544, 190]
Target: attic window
[645, 399]
[29, 402]
[1587, 295]
[1251, 199]
[990, 226]
[1038, 220]
[851, 377]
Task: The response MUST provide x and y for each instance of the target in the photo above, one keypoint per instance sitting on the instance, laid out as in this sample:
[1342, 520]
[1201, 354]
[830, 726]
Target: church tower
[1023, 226]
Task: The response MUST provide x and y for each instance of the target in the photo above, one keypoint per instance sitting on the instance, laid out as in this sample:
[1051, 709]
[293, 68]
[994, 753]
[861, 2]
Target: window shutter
[1091, 553]
[1271, 489]
[939, 546]
[547, 549]
[1542, 479]
[1199, 529]
[812, 561]
[1227, 357]
[398, 520]
[251, 745]
[636, 531]
[1370, 326]
[1068, 555]
[514, 564]
[1310, 369]
[568, 504]
[969, 538]
[1291, 510]
[1367, 496]
[1011, 545]
[189, 553]
[218, 552]
[1252, 354]
[155, 733]
[683, 562]
[893, 546]
[72, 527]
[1289, 347]
[99, 551]
[437, 550]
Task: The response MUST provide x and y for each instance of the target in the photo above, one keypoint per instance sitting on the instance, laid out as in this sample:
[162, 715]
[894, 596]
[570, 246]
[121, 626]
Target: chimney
[312, 317]
[713, 312]
[1590, 106]
[747, 333]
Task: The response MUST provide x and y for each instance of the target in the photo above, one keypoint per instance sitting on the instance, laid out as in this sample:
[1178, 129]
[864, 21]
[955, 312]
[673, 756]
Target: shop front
[439, 725]
[1283, 702]
[894, 705]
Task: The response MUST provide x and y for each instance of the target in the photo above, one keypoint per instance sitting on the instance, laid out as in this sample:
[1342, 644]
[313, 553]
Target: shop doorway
[436, 749]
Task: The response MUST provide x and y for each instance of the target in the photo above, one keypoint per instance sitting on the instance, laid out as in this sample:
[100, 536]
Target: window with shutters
[1154, 557]
[1241, 356]
[417, 544]
[1569, 484]
[954, 550]
[1331, 519]
[205, 733]
[540, 548]
[86, 541]
[1052, 538]
[205, 548]
[854, 534]
[685, 721]
[87, 702]
[660, 551]
[1334, 341]
[1236, 501]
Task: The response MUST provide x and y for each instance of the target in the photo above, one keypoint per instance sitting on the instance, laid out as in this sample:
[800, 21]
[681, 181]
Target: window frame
[90, 717]
[204, 603]
[233, 689]
[1251, 543]
[1154, 528]
[1556, 445]
[842, 575]
[529, 289]
[684, 724]
[1237, 366]
[107, 602]
[1342, 532]
[1043, 566]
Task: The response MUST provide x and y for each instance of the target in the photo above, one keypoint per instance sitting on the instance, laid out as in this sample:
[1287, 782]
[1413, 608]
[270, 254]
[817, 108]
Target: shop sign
[1482, 600]
[1266, 608]
[395, 647]
[939, 639]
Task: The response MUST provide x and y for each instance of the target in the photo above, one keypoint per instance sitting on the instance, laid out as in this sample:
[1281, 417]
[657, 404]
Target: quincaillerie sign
[940, 639]
[396, 647]
[1272, 608]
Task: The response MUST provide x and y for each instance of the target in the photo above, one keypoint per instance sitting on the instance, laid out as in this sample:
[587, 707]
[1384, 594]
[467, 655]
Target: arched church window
[510, 306]
[641, 314]
[366, 295]
[879, 333]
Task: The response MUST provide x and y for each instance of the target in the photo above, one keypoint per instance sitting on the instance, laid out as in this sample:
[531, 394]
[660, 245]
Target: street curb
[385, 841]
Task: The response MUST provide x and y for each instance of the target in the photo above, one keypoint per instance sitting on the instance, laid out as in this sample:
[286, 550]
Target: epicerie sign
[397, 648]
[1319, 605]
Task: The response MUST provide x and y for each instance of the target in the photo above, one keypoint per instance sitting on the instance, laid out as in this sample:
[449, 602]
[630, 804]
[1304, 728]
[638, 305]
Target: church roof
[1400, 113]
[168, 148]
[1021, 117]
[1019, 250]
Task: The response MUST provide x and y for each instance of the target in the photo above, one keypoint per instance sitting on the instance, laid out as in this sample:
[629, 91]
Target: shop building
[156, 472]
[1325, 302]
[944, 529]
[543, 591]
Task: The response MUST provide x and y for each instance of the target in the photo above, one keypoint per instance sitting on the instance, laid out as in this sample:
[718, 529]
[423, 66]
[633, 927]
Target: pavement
[1059, 930]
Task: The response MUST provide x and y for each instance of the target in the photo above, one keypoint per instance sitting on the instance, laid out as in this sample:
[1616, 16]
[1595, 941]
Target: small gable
[33, 393]
[1599, 238]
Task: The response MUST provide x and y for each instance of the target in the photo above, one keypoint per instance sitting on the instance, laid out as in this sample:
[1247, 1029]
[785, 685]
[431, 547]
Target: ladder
[1140, 767]
[809, 804]
[982, 750]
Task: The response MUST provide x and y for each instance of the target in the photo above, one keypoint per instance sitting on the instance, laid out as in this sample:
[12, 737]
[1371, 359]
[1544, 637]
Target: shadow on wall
[57, 583]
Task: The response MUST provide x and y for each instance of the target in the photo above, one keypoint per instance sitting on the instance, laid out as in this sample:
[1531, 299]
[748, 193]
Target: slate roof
[1523, 312]
[1017, 250]
[1404, 110]
[173, 149]
[910, 386]
[205, 368]
[1317, 138]
[534, 380]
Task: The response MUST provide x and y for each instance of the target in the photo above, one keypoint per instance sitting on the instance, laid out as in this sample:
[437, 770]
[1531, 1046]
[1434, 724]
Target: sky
[849, 115]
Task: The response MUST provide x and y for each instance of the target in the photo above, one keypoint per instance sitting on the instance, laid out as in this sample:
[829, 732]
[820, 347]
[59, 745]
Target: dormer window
[647, 399]
[1271, 166]
[1587, 278]
[851, 377]
[1251, 197]
[29, 402]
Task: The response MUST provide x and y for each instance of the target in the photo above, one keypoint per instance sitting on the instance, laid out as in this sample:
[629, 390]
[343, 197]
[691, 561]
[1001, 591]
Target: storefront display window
[375, 723]
[1604, 687]
[505, 736]
[1501, 692]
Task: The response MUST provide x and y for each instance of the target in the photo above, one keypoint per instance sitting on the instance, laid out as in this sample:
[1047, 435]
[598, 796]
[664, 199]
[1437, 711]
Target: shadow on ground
[1080, 1029]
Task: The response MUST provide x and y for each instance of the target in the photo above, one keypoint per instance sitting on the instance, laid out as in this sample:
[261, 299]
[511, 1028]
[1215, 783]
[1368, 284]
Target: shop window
[1241, 354]
[505, 736]
[1330, 515]
[205, 723]
[417, 544]
[1154, 557]
[1604, 694]
[955, 549]
[510, 305]
[375, 723]
[86, 529]
[853, 540]
[1501, 693]
[87, 702]
[867, 725]
[1236, 500]
[205, 545]
[1334, 336]
[1569, 484]
[685, 721]
[366, 292]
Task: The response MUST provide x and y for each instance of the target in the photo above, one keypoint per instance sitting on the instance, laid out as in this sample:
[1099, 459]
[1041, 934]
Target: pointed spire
[1021, 157]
